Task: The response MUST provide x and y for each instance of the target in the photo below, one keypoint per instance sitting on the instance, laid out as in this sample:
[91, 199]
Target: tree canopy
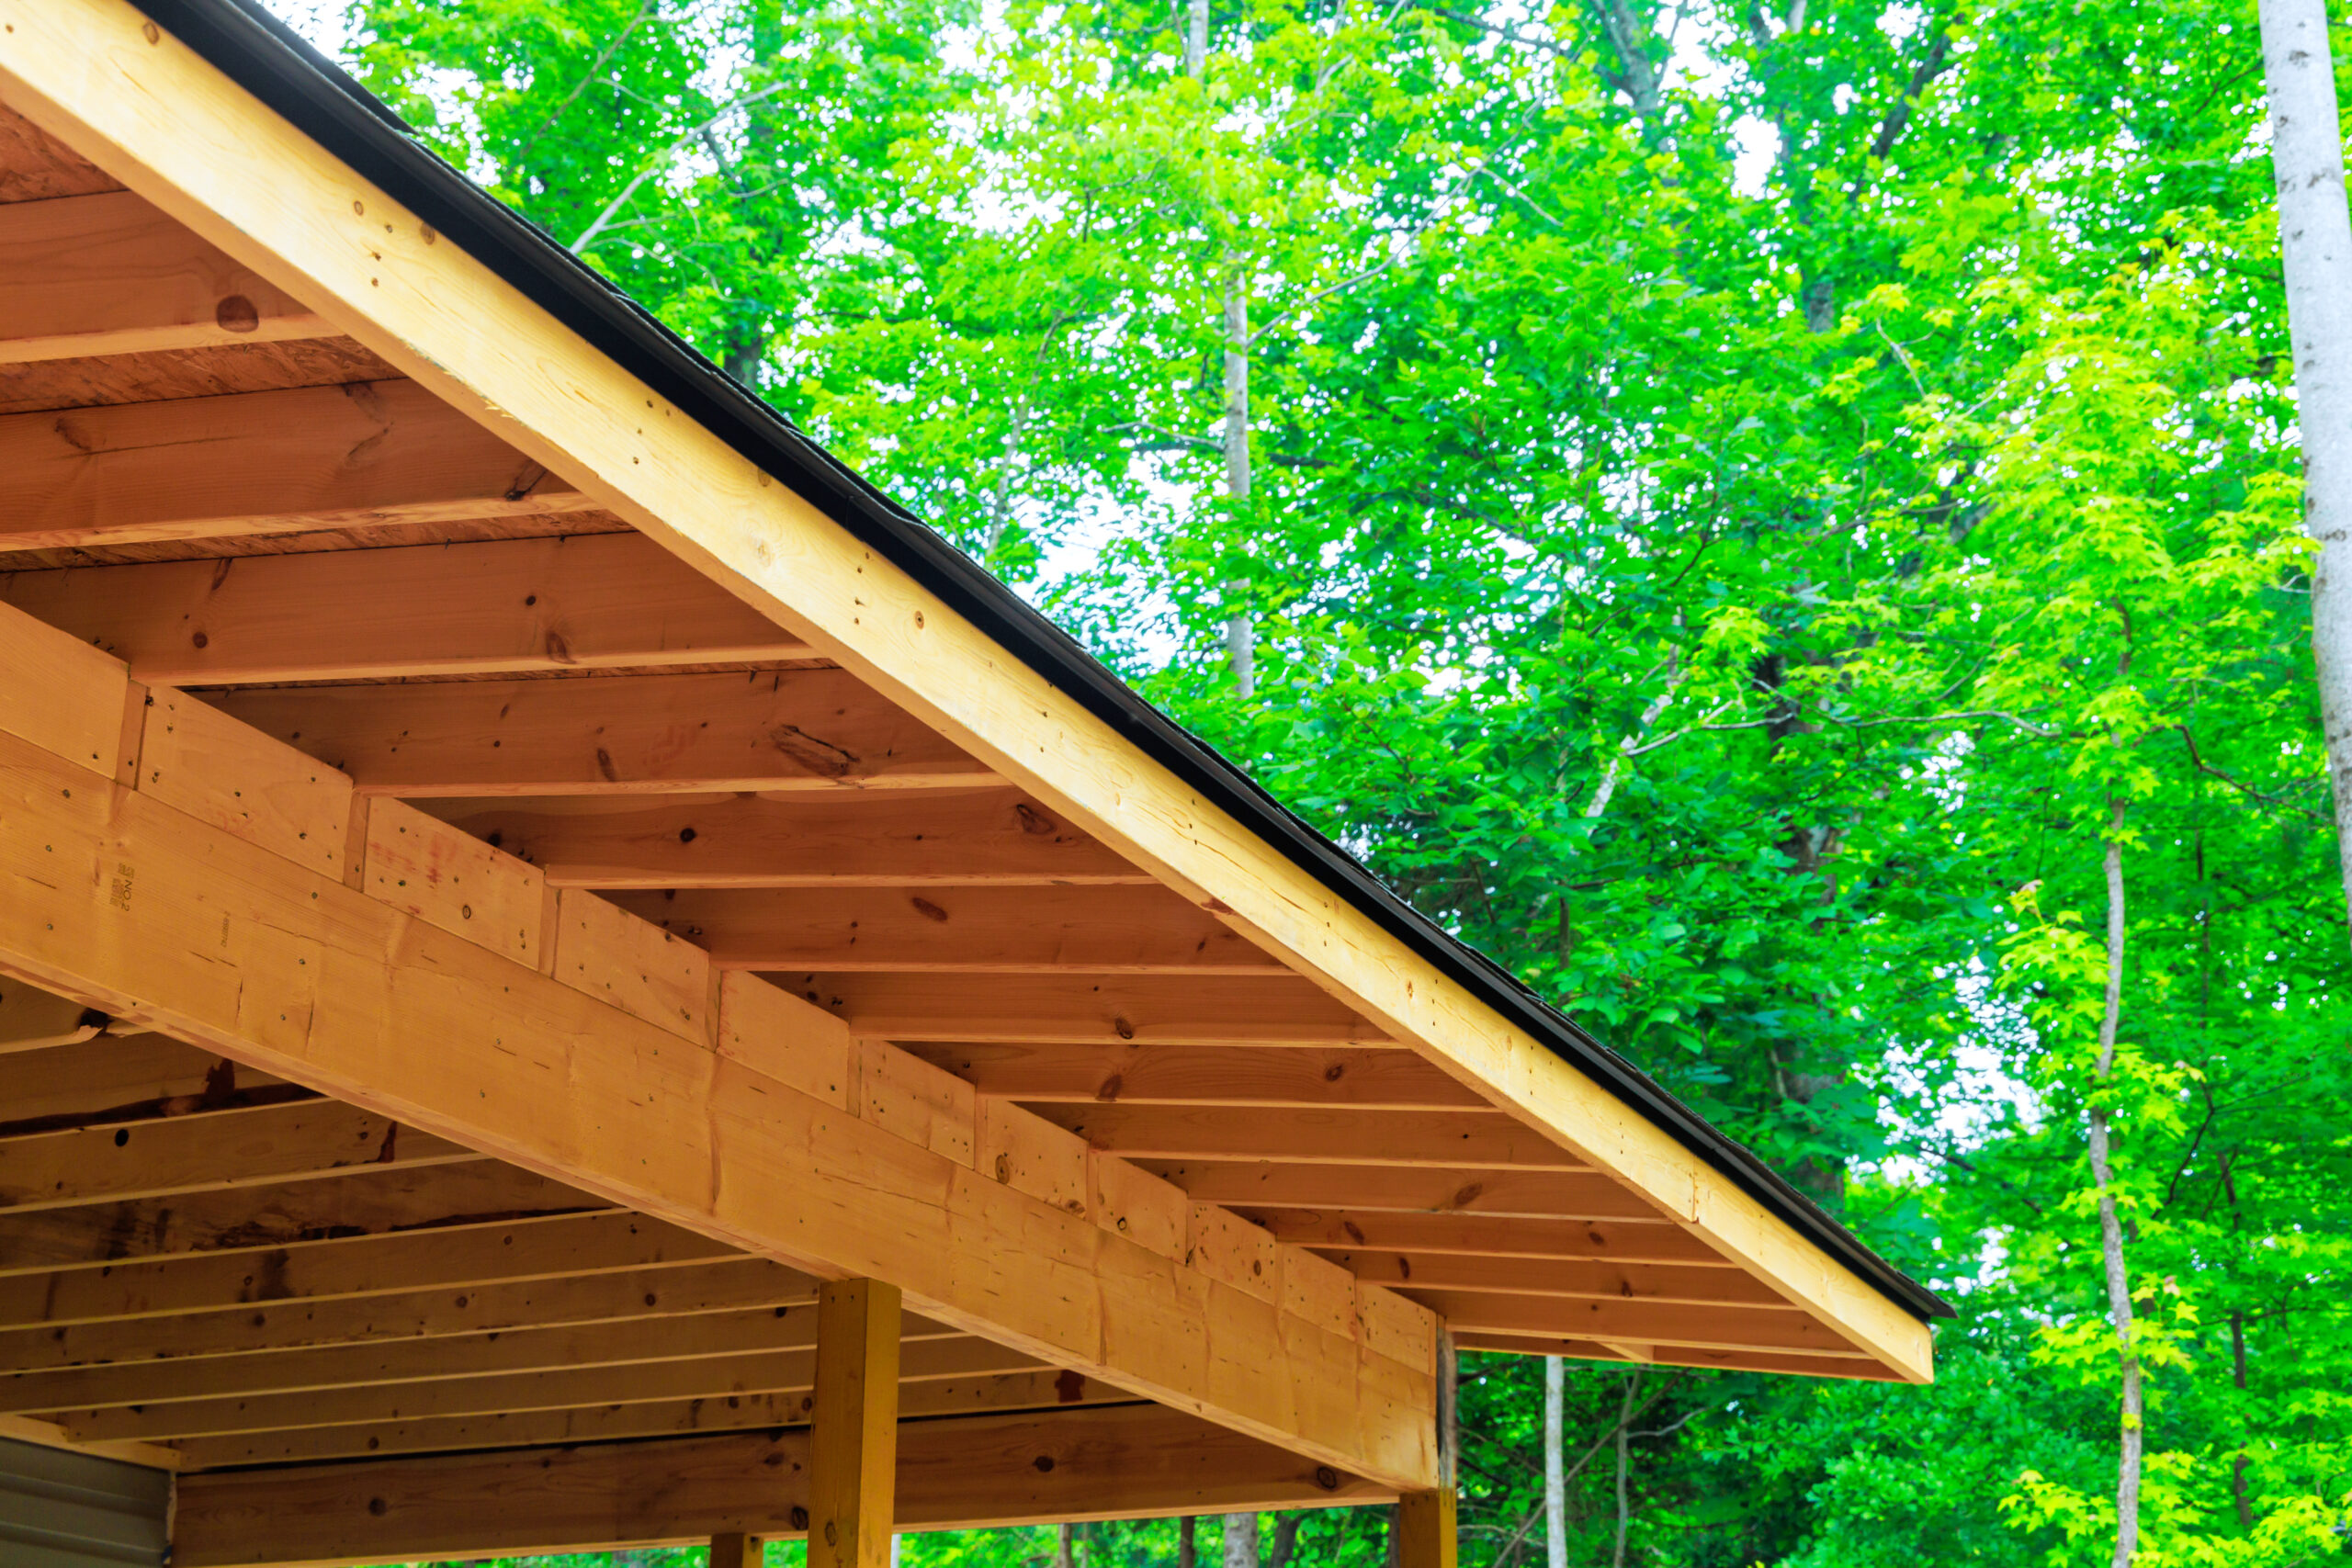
[1751, 511]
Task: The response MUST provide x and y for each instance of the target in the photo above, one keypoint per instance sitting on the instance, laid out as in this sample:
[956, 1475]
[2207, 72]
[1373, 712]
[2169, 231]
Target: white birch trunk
[1240, 1540]
[2315, 242]
[1555, 1478]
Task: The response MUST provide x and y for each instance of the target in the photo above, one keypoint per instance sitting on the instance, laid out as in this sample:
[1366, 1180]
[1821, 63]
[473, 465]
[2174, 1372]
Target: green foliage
[1730, 562]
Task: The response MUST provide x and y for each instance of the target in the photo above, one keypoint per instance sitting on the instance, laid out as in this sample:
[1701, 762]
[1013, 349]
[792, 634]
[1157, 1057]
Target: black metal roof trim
[270, 60]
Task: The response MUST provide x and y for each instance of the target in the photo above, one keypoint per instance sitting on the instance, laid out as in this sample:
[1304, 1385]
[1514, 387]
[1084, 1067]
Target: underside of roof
[278, 66]
[722, 801]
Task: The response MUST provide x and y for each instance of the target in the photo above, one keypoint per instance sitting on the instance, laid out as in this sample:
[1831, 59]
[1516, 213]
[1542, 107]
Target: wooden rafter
[1496, 1193]
[1434, 1139]
[367, 454]
[444, 1257]
[979, 837]
[733, 1283]
[1382, 1077]
[1272, 1010]
[1120, 930]
[769, 1309]
[1111, 1462]
[109, 274]
[1344, 1230]
[1038, 1389]
[596, 601]
[367, 1200]
[717, 1376]
[208, 1151]
[134, 1077]
[341, 1267]
[627, 735]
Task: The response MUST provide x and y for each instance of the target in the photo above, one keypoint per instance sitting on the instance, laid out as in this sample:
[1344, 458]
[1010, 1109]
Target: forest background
[1748, 515]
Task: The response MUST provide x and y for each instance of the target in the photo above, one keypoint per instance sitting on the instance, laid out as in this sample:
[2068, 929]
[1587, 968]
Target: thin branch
[2197, 761]
[612, 209]
[595, 68]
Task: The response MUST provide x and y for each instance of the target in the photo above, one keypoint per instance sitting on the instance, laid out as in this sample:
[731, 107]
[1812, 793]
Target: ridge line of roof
[267, 57]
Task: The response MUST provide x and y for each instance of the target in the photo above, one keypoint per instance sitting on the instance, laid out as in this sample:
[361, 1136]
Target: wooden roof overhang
[492, 817]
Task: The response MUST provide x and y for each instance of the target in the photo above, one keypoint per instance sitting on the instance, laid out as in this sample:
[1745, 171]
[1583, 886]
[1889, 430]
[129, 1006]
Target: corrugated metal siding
[69, 1510]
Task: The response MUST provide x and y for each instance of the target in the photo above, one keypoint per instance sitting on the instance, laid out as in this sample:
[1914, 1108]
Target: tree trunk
[1555, 1479]
[1625, 1466]
[1197, 36]
[1285, 1539]
[2110, 1226]
[2316, 242]
[1241, 631]
[1240, 1540]
[2237, 1466]
[1187, 1549]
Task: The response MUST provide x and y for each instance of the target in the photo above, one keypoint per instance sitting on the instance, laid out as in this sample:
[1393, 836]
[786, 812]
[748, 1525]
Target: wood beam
[226, 944]
[208, 1152]
[780, 1318]
[1426, 1533]
[370, 1200]
[50, 1435]
[853, 1432]
[1036, 1389]
[1441, 1140]
[83, 276]
[64, 1306]
[733, 1549]
[1370, 1078]
[1496, 1194]
[35, 1020]
[591, 601]
[880, 839]
[1148, 1009]
[1657, 1324]
[726, 1284]
[613, 1384]
[1779, 1364]
[1341, 1229]
[172, 125]
[1124, 1461]
[619, 735]
[1545, 1277]
[130, 1077]
[934, 929]
[369, 454]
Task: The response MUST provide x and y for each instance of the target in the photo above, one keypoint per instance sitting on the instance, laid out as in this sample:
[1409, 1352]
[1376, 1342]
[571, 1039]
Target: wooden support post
[1425, 1533]
[735, 1549]
[854, 1431]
